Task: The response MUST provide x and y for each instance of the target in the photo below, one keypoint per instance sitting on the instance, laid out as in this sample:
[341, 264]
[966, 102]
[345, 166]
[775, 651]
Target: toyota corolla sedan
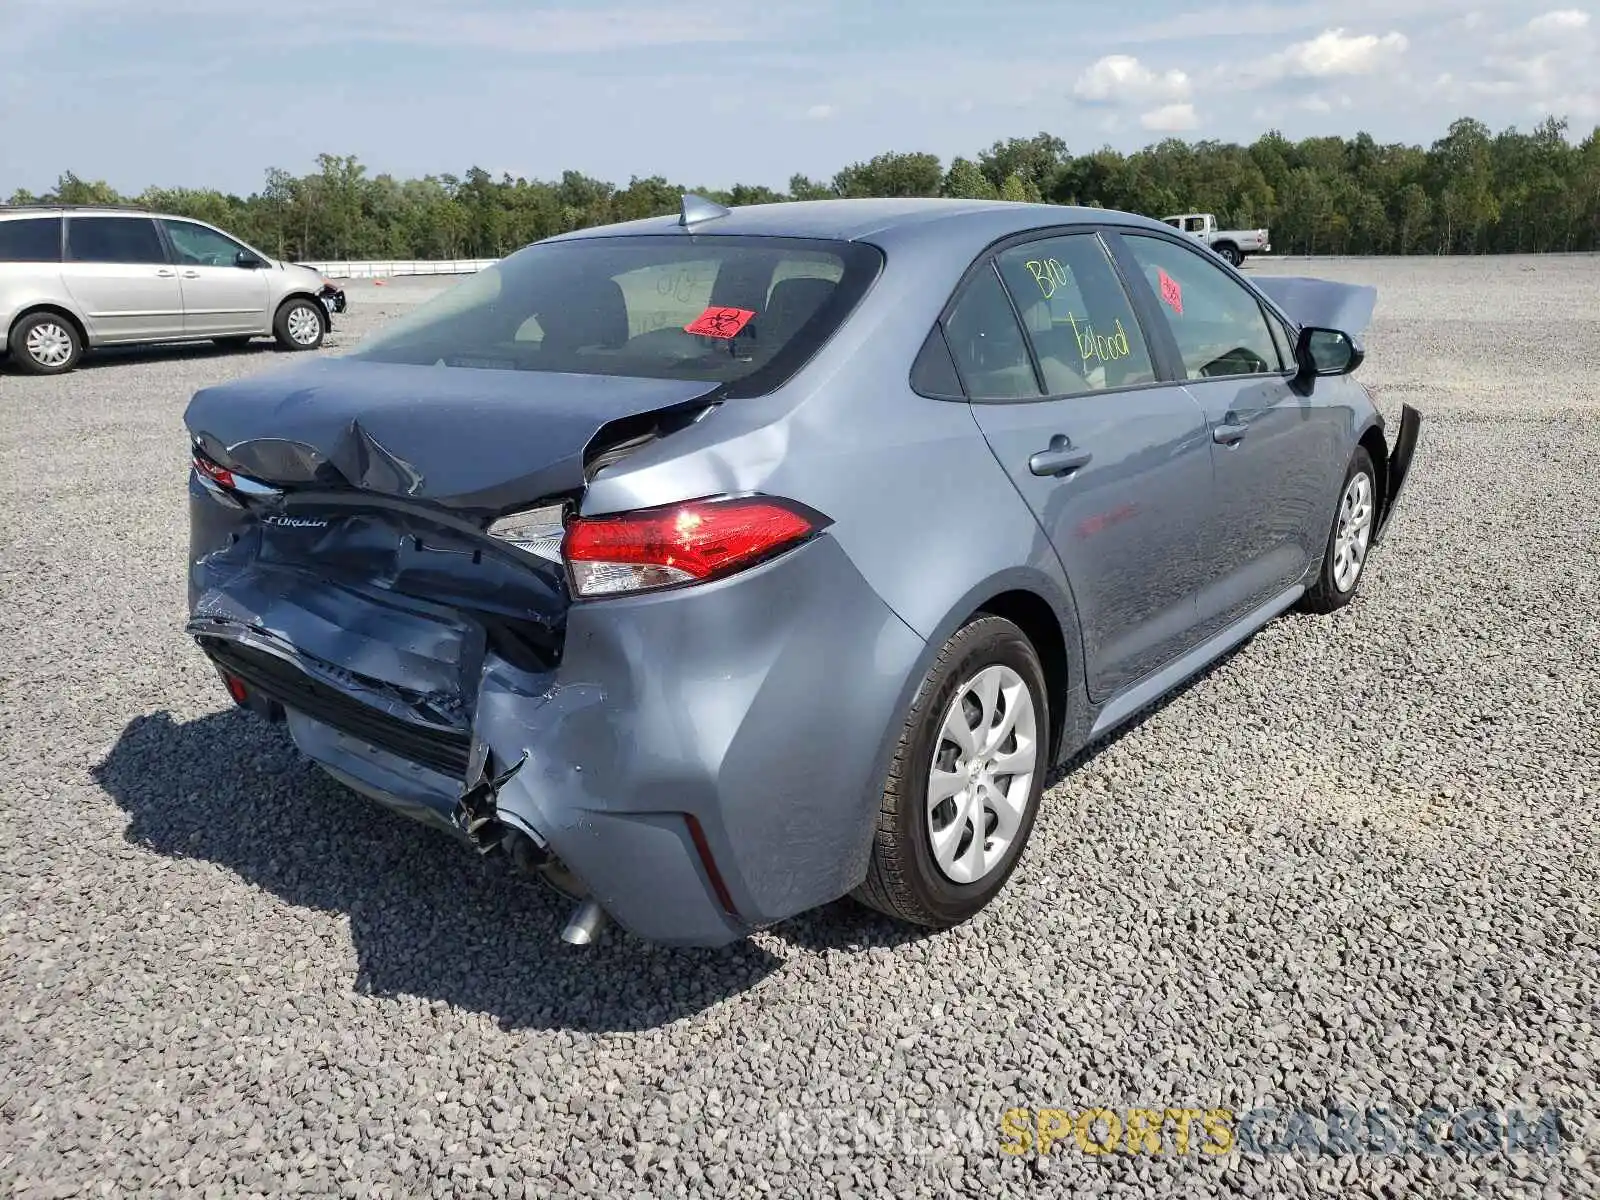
[717, 566]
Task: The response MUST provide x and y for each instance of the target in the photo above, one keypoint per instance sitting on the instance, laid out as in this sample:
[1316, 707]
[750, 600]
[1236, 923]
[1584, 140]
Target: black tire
[57, 331]
[288, 312]
[232, 343]
[1325, 595]
[1231, 252]
[903, 879]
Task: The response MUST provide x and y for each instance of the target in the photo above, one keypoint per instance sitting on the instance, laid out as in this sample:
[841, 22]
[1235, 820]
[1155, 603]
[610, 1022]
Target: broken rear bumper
[704, 761]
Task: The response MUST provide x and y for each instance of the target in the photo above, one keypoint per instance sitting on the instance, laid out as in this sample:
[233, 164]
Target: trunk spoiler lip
[1401, 456]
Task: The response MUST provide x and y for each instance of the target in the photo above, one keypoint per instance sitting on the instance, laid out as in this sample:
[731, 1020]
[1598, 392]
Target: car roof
[871, 219]
[84, 210]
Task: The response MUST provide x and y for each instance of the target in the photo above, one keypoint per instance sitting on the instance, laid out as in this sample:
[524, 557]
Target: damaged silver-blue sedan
[719, 565]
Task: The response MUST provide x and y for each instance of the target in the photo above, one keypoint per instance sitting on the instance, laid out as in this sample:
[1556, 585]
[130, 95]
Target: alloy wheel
[49, 344]
[1354, 531]
[982, 774]
[304, 325]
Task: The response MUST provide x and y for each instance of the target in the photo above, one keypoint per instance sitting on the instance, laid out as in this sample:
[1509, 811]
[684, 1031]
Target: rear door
[219, 295]
[1274, 447]
[116, 269]
[1114, 462]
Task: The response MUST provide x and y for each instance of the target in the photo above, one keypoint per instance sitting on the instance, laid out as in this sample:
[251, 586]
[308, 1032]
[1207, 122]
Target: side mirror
[247, 260]
[1327, 352]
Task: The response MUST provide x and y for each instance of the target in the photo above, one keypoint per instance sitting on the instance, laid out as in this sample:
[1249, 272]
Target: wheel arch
[1371, 440]
[1044, 610]
[57, 309]
[298, 295]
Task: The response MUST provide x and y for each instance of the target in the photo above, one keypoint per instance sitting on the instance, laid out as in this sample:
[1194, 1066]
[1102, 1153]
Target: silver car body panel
[710, 759]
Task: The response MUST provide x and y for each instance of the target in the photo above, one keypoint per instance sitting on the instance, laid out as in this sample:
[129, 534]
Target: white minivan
[77, 277]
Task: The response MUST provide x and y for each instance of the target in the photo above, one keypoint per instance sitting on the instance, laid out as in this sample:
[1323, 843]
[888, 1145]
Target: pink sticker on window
[1171, 293]
[720, 322]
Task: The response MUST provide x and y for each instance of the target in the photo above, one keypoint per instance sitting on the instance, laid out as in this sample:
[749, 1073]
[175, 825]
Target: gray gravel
[1355, 864]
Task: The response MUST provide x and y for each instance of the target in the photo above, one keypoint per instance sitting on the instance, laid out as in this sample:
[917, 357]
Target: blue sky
[212, 92]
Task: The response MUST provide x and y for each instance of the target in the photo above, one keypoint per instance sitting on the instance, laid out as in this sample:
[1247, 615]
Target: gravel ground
[1354, 865]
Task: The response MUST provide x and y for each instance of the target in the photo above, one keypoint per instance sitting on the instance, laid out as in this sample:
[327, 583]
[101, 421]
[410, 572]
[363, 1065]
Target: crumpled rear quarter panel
[763, 705]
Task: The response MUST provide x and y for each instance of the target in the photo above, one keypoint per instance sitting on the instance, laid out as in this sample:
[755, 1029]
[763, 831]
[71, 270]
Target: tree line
[1471, 192]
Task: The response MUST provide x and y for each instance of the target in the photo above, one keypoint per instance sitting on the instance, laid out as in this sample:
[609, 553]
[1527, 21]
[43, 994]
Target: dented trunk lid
[362, 587]
[487, 441]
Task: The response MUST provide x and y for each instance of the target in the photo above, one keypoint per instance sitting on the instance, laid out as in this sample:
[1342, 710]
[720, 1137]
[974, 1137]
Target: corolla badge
[285, 522]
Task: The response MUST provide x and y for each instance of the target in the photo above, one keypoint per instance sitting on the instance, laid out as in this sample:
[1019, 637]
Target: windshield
[714, 308]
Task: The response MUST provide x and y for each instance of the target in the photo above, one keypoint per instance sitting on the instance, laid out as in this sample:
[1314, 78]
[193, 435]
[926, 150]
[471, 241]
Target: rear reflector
[681, 543]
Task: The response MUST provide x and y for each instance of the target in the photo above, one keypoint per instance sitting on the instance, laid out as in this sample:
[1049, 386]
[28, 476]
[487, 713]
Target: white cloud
[1333, 53]
[1123, 78]
[1562, 20]
[1170, 118]
[821, 112]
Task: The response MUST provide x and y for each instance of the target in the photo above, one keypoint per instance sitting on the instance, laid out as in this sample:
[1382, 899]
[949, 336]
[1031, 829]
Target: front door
[219, 295]
[116, 269]
[1273, 446]
[1115, 464]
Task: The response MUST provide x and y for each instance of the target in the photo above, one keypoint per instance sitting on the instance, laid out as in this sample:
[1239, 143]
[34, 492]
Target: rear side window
[736, 310]
[987, 343]
[31, 239]
[933, 374]
[1218, 324]
[1077, 315]
[114, 240]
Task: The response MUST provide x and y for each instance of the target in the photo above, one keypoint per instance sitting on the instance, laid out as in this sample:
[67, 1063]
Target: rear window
[31, 239]
[742, 311]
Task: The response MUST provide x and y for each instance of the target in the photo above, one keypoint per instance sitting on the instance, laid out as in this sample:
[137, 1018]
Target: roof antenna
[698, 208]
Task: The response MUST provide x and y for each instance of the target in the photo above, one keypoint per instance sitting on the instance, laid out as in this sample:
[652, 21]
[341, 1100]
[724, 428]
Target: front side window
[1218, 324]
[1076, 314]
[114, 240]
[738, 310]
[987, 344]
[201, 247]
[31, 239]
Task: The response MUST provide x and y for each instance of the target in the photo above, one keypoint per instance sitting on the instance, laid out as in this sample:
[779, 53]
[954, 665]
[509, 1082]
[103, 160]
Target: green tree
[891, 174]
[966, 181]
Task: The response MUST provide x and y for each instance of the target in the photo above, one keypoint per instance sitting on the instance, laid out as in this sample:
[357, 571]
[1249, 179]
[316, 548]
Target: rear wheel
[1349, 540]
[1230, 252]
[45, 343]
[964, 785]
[300, 324]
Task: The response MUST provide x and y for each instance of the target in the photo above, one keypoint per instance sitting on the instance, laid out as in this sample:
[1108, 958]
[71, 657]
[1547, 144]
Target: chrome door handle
[165, 273]
[1229, 435]
[1059, 458]
[191, 274]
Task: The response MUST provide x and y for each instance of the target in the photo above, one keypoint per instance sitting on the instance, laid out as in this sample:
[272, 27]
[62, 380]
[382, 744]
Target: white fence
[387, 268]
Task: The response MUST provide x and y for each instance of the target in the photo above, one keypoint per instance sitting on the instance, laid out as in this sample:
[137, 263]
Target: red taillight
[680, 543]
[210, 469]
[236, 688]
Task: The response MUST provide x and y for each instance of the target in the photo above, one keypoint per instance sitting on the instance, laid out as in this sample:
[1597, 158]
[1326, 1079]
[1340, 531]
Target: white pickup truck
[1232, 244]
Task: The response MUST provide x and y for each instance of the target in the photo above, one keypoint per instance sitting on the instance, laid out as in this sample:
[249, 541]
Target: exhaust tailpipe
[585, 924]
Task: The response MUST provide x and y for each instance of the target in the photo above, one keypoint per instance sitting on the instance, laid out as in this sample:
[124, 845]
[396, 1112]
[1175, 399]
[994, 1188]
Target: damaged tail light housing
[217, 476]
[677, 544]
[211, 471]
